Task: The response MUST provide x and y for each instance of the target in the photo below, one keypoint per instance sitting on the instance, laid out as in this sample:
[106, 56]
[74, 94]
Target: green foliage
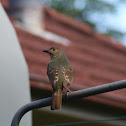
[86, 11]
[115, 33]
[69, 8]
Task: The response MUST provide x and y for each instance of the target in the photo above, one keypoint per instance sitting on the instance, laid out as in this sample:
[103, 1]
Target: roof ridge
[68, 20]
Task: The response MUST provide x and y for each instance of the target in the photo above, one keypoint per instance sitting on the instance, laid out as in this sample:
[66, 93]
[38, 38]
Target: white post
[14, 78]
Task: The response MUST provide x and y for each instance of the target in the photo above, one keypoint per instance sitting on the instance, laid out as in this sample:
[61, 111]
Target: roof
[96, 59]
[4, 3]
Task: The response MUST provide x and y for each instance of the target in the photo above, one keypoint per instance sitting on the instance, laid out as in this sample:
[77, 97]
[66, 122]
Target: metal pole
[74, 95]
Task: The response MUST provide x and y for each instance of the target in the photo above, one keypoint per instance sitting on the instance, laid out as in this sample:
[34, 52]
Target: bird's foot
[67, 89]
[68, 94]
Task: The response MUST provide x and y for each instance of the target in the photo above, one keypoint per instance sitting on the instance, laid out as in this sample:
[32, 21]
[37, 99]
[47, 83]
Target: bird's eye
[54, 49]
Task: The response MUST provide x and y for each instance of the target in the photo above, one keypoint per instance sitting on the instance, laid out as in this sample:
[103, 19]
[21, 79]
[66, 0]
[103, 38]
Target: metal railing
[74, 95]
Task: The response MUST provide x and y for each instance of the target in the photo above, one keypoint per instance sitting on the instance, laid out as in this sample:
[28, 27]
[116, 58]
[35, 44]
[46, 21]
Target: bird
[60, 74]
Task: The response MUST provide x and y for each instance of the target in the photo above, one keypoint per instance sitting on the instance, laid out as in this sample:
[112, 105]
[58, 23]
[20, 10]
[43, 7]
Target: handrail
[74, 95]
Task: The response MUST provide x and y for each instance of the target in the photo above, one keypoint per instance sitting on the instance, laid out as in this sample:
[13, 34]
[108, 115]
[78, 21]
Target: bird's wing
[53, 75]
[68, 76]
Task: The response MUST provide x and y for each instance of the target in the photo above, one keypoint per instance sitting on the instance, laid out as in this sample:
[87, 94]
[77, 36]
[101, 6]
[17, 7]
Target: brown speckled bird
[60, 74]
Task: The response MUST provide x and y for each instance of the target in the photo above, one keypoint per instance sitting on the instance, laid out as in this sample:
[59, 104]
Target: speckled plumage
[60, 74]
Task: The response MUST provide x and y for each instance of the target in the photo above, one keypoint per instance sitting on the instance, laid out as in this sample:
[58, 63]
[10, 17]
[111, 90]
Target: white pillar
[14, 78]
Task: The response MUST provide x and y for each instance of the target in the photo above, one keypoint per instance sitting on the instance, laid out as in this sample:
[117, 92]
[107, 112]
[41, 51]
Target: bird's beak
[45, 50]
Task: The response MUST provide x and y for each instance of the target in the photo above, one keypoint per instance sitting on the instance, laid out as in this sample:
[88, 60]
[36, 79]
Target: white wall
[14, 78]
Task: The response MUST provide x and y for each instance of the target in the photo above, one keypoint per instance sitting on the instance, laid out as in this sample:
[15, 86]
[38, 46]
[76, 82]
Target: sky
[118, 21]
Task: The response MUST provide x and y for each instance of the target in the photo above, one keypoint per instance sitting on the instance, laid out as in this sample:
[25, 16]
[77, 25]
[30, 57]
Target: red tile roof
[4, 3]
[96, 59]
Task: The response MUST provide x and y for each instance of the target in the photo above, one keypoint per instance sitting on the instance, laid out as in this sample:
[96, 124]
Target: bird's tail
[56, 99]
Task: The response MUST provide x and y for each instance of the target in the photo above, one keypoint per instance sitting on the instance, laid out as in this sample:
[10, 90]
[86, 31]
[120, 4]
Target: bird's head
[54, 52]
